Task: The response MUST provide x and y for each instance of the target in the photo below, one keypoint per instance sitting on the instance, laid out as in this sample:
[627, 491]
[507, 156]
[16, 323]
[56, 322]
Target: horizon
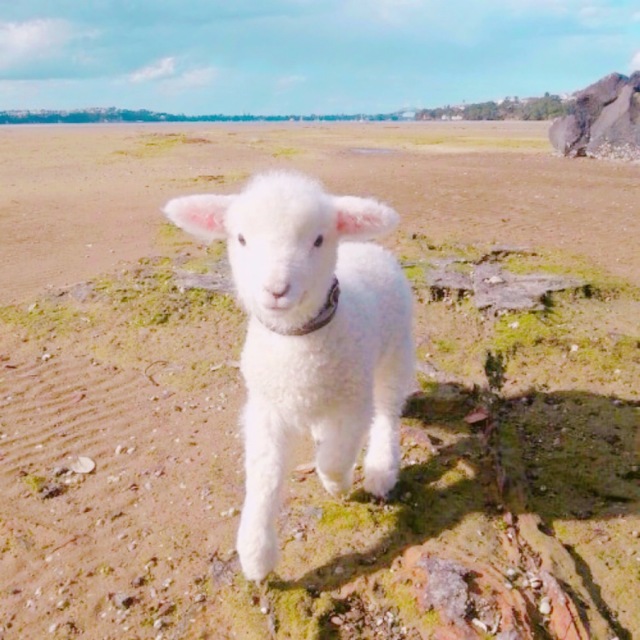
[299, 57]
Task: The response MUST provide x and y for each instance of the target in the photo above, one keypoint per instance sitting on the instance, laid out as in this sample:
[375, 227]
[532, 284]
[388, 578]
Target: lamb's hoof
[338, 488]
[257, 569]
[380, 482]
[258, 556]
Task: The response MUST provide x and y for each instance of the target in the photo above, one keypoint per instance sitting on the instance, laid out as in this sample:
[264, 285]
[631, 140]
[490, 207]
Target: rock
[605, 122]
[500, 290]
[494, 288]
[469, 596]
[445, 281]
[446, 590]
[223, 571]
[566, 134]
[51, 490]
[81, 292]
[218, 280]
[123, 600]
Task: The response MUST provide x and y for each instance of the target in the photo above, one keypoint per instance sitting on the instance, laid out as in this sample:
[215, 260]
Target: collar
[323, 318]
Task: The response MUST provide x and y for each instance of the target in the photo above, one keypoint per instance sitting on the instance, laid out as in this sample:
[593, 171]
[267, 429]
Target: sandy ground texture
[517, 514]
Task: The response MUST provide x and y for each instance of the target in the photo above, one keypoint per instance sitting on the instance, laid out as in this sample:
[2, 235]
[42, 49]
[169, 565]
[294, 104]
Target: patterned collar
[324, 317]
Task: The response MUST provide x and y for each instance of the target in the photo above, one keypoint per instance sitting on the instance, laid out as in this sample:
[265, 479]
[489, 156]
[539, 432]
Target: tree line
[544, 108]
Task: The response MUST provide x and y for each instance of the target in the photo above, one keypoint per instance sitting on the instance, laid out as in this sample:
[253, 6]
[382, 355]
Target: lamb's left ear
[363, 218]
[200, 215]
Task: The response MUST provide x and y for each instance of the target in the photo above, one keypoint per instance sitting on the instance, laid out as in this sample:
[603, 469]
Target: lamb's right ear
[201, 215]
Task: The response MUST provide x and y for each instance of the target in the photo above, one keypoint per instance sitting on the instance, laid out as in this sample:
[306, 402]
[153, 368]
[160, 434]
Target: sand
[76, 200]
[142, 380]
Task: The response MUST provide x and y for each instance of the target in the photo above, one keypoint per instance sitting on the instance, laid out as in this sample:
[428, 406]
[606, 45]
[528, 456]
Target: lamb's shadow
[575, 453]
[423, 504]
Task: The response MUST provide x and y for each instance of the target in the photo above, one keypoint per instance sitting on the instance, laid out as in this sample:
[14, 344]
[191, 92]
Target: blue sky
[306, 56]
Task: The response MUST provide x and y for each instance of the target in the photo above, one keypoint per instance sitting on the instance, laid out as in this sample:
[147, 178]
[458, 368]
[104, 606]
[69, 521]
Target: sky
[306, 56]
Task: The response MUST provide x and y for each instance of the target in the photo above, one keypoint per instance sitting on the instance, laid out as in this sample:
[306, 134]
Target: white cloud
[23, 42]
[634, 65]
[170, 78]
[163, 68]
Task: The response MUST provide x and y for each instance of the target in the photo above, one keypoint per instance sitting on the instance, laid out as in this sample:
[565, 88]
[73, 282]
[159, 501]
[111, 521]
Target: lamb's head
[282, 233]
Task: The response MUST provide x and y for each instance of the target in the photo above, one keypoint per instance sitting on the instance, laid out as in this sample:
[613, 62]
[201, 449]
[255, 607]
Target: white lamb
[329, 343]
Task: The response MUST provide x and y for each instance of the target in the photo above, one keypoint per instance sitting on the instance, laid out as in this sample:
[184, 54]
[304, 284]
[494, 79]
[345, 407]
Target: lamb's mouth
[282, 305]
[323, 317]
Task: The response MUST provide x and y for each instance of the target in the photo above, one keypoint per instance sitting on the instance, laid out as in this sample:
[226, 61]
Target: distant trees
[111, 114]
[481, 111]
[545, 108]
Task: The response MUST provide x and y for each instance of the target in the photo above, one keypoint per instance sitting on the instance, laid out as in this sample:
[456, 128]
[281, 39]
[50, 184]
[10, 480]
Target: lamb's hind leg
[382, 460]
[338, 442]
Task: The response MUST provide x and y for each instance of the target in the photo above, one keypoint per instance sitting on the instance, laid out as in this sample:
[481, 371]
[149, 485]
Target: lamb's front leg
[265, 455]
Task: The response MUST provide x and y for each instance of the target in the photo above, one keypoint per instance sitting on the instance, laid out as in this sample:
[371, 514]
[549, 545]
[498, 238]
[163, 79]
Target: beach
[103, 356]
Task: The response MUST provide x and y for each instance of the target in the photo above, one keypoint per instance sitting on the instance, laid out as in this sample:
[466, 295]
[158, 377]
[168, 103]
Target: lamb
[328, 346]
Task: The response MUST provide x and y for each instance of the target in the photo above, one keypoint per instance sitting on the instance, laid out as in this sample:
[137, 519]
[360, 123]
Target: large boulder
[605, 121]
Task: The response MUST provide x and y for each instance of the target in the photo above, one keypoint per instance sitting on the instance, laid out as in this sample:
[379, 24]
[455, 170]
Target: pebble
[535, 583]
[82, 464]
[159, 623]
[478, 624]
[123, 600]
[545, 606]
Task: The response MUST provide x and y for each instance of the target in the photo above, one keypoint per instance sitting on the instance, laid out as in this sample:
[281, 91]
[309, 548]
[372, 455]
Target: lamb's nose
[279, 291]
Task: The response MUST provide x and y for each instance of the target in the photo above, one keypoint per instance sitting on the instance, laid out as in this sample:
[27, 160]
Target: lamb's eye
[241, 240]
[319, 241]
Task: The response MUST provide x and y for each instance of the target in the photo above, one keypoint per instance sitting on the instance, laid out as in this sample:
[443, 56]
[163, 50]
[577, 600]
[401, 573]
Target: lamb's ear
[363, 218]
[200, 215]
